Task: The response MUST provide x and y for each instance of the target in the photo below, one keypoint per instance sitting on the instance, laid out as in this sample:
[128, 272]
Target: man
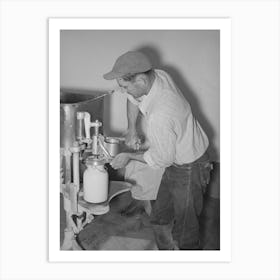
[145, 179]
[176, 143]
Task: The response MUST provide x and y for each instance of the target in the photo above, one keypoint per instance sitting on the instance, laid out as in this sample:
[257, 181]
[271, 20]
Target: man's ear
[141, 79]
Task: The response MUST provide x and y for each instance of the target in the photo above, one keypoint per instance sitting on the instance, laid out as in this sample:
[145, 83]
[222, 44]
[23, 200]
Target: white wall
[191, 57]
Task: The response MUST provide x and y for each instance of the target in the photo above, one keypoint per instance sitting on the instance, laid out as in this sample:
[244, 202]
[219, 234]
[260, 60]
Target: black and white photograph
[139, 139]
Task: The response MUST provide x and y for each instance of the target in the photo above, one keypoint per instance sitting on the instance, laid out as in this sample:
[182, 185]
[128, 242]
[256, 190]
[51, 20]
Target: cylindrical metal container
[71, 102]
[96, 181]
[112, 145]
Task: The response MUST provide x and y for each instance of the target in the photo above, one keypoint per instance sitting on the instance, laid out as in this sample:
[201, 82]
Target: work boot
[163, 237]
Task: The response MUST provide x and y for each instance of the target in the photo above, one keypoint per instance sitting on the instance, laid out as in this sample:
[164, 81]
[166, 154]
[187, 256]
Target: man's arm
[131, 137]
[122, 159]
[139, 156]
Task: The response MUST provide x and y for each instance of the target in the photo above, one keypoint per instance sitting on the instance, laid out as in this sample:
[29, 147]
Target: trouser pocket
[205, 170]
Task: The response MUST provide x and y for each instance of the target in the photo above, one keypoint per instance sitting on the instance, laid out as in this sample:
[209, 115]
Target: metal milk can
[96, 181]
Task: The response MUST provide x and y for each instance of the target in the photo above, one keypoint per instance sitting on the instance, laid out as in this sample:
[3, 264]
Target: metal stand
[76, 221]
[78, 211]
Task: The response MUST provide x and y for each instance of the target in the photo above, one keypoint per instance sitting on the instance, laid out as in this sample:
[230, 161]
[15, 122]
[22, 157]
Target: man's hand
[132, 140]
[121, 160]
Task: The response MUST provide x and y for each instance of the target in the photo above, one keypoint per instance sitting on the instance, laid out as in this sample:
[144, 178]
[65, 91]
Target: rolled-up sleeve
[162, 138]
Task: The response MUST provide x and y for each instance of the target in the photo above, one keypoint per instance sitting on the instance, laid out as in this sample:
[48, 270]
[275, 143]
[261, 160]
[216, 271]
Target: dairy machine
[84, 151]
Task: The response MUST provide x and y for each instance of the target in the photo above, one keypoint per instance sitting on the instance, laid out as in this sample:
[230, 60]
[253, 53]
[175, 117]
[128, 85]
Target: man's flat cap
[132, 62]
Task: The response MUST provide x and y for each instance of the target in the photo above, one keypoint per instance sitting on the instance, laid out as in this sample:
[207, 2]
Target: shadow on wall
[189, 94]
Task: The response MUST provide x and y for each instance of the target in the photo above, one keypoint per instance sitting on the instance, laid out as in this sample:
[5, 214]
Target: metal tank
[71, 102]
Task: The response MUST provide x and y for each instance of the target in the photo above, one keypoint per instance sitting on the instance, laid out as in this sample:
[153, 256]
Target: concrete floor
[114, 231]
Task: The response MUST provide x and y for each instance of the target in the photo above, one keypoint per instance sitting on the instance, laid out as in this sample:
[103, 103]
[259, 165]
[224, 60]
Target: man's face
[133, 87]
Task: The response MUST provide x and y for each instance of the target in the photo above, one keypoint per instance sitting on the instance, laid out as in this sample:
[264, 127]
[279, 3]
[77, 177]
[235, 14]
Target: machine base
[86, 211]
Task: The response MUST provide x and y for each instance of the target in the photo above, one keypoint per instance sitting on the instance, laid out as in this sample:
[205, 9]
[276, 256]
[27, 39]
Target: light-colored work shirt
[175, 136]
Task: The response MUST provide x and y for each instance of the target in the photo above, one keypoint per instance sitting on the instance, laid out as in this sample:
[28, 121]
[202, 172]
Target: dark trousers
[175, 213]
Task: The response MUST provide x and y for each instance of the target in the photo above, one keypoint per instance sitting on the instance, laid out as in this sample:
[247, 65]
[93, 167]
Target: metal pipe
[80, 129]
[95, 145]
[68, 173]
[76, 177]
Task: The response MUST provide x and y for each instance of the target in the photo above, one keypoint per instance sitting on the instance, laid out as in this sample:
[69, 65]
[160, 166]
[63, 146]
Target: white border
[224, 25]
